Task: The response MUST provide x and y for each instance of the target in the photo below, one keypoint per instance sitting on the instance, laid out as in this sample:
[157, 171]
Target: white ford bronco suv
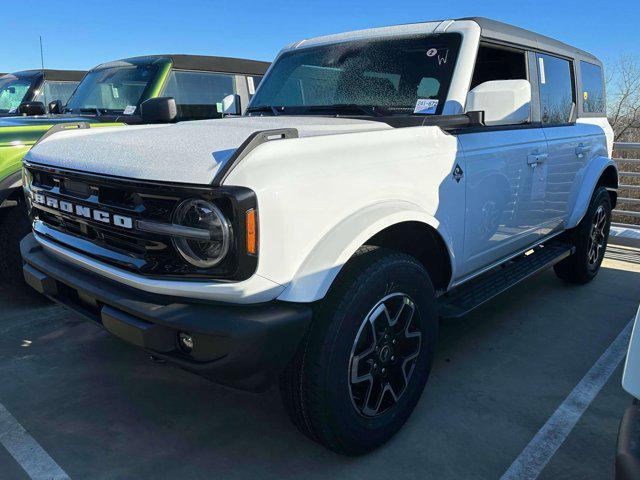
[380, 180]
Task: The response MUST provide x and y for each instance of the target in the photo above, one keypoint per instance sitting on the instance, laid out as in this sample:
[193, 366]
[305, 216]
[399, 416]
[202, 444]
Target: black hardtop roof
[206, 63]
[57, 75]
[493, 29]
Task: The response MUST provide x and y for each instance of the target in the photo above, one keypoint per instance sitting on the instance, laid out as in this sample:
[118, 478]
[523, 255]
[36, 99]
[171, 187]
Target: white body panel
[187, 152]
[502, 197]
[596, 135]
[356, 192]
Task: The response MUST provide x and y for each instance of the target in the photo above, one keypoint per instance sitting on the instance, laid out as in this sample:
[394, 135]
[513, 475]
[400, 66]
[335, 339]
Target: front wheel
[14, 226]
[590, 239]
[361, 369]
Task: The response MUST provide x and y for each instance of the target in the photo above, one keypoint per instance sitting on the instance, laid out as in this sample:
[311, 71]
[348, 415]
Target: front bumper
[628, 448]
[244, 346]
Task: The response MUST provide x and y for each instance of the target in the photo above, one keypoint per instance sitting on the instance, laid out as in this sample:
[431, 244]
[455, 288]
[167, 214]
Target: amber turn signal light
[252, 244]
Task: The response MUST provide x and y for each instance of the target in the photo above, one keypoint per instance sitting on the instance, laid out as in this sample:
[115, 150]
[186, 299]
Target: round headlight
[205, 216]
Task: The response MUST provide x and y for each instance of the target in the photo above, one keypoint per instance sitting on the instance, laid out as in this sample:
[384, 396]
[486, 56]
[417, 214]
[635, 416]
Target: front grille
[129, 248]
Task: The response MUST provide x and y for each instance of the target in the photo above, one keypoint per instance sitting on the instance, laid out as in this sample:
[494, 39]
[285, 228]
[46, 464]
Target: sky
[79, 34]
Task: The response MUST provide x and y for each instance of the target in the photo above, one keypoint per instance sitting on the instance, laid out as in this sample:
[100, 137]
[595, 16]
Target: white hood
[187, 152]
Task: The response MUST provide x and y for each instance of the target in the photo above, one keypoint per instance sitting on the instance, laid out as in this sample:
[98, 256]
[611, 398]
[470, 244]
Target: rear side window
[199, 88]
[592, 88]
[556, 89]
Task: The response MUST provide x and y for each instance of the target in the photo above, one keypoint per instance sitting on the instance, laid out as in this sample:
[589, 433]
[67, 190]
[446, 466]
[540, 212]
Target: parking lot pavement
[101, 409]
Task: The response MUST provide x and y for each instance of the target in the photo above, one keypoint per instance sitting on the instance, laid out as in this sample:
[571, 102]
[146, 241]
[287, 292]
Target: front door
[505, 198]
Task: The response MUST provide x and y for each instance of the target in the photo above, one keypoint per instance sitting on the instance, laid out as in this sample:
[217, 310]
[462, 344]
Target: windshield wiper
[369, 110]
[91, 110]
[265, 108]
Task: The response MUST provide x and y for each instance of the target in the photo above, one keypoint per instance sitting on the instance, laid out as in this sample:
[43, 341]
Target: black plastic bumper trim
[244, 346]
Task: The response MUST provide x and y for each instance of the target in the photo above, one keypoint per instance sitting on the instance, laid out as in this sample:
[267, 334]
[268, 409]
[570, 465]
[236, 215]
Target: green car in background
[149, 89]
[28, 92]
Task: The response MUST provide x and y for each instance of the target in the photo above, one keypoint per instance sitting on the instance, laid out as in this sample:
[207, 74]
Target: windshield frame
[455, 39]
[34, 84]
[162, 67]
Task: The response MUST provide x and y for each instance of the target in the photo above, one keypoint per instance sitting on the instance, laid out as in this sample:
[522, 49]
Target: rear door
[570, 144]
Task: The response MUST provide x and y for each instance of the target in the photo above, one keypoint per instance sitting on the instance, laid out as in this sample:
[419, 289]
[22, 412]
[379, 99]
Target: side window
[592, 88]
[198, 88]
[12, 95]
[56, 91]
[495, 63]
[557, 100]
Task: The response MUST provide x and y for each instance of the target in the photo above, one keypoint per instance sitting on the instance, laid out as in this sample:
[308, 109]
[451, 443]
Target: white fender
[316, 274]
[590, 178]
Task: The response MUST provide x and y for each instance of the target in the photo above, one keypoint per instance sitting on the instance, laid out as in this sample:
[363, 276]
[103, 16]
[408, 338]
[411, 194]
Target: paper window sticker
[543, 78]
[426, 106]
[129, 110]
[219, 107]
[252, 85]
[585, 95]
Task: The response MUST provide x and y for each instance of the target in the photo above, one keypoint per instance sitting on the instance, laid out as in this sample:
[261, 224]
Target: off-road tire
[14, 225]
[579, 268]
[316, 385]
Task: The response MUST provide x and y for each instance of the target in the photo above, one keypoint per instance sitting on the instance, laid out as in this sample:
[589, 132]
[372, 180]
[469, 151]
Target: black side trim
[446, 122]
[254, 140]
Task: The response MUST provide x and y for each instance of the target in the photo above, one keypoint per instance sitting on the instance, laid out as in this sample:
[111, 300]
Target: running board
[470, 295]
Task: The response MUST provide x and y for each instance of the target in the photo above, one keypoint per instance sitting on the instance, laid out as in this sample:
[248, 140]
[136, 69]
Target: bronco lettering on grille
[82, 211]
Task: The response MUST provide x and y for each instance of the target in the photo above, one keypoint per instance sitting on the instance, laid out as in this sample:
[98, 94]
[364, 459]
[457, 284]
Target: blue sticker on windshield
[426, 106]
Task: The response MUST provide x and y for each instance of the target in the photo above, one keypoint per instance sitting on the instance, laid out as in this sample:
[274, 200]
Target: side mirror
[504, 102]
[159, 110]
[231, 105]
[31, 108]
[55, 107]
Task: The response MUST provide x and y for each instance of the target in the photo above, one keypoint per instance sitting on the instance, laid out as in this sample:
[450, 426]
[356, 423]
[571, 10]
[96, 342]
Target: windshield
[13, 90]
[113, 89]
[365, 77]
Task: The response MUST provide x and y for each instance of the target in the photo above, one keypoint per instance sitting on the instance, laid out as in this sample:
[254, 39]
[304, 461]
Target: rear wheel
[590, 239]
[363, 365]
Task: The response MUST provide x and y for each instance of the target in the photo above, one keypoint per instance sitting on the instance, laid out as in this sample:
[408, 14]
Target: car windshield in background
[13, 89]
[361, 78]
[113, 89]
